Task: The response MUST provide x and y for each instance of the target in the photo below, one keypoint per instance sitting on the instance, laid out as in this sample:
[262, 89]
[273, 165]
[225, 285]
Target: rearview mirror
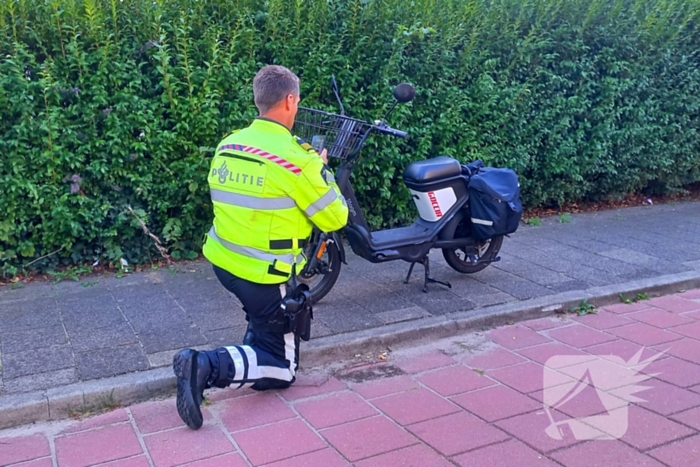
[404, 92]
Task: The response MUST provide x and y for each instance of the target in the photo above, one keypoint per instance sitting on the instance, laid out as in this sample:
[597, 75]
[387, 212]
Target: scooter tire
[324, 286]
[456, 229]
[466, 267]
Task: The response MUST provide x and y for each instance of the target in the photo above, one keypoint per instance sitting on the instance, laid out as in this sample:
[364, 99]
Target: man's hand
[324, 156]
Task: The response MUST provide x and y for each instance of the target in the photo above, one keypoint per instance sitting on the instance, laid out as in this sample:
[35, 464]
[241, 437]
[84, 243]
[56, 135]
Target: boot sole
[187, 407]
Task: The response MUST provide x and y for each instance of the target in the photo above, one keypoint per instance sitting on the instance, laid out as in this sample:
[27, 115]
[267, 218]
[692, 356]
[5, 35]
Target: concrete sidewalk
[59, 341]
[472, 400]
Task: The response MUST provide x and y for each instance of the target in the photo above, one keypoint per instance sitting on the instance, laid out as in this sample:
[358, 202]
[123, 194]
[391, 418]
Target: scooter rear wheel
[458, 260]
[457, 257]
[322, 283]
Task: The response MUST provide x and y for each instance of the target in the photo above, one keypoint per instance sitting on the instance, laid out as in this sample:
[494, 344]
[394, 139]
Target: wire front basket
[342, 136]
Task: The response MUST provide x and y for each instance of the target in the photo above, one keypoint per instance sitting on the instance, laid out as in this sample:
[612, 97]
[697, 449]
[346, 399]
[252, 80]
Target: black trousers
[267, 359]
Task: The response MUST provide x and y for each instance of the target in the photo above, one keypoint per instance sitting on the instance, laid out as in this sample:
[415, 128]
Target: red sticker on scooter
[434, 203]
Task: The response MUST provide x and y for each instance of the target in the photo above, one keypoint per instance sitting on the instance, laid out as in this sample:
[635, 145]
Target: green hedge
[109, 105]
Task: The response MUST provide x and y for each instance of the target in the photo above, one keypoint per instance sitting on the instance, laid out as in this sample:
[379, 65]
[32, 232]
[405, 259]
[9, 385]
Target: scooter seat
[431, 170]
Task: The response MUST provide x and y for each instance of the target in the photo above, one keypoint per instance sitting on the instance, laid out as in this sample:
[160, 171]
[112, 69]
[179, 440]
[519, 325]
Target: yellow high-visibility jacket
[268, 189]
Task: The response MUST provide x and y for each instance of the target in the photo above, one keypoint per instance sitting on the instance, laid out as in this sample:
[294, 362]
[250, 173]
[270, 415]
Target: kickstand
[410, 270]
[426, 265]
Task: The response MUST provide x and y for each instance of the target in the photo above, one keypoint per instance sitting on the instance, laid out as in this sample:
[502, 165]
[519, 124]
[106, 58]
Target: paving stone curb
[59, 403]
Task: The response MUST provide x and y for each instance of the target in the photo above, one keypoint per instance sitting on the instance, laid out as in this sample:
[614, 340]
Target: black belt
[276, 326]
[287, 244]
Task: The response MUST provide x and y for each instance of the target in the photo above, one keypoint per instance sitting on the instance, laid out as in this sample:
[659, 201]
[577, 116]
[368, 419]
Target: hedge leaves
[111, 108]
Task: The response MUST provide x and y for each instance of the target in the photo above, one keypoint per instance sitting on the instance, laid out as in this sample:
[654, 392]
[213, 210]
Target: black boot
[193, 370]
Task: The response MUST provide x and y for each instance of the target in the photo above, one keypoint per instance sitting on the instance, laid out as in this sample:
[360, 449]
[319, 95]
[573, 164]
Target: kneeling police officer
[268, 189]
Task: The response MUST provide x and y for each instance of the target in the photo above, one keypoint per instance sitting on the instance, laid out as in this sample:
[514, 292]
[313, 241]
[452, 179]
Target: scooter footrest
[385, 255]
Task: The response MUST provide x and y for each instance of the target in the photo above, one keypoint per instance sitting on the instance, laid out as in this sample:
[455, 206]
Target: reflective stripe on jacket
[268, 191]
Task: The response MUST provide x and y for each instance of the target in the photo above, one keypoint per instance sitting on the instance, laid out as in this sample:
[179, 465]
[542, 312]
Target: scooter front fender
[335, 237]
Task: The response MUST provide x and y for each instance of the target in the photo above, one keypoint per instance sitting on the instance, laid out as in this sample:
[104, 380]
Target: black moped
[440, 188]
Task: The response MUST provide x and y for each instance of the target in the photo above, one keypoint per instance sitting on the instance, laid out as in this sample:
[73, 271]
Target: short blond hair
[272, 84]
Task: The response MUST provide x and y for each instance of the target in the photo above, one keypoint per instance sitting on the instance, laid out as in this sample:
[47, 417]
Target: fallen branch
[160, 247]
[42, 257]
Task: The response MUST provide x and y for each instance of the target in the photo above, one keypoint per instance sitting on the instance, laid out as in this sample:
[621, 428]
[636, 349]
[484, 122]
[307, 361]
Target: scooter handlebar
[384, 128]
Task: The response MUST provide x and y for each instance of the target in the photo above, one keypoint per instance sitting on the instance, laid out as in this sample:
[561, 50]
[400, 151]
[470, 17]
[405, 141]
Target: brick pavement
[103, 326]
[476, 400]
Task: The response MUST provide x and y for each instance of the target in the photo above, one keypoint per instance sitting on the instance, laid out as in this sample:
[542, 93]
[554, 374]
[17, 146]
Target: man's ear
[289, 101]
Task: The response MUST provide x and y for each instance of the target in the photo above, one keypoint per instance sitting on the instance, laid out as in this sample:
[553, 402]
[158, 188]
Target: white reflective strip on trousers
[324, 201]
[252, 361]
[482, 222]
[290, 349]
[256, 371]
[252, 252]
[238, 365]
[290, 352]
[252, 202]
[282, 374]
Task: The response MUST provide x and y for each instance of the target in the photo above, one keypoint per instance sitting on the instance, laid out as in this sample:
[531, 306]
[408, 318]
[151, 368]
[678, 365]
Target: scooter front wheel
[322, 279]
